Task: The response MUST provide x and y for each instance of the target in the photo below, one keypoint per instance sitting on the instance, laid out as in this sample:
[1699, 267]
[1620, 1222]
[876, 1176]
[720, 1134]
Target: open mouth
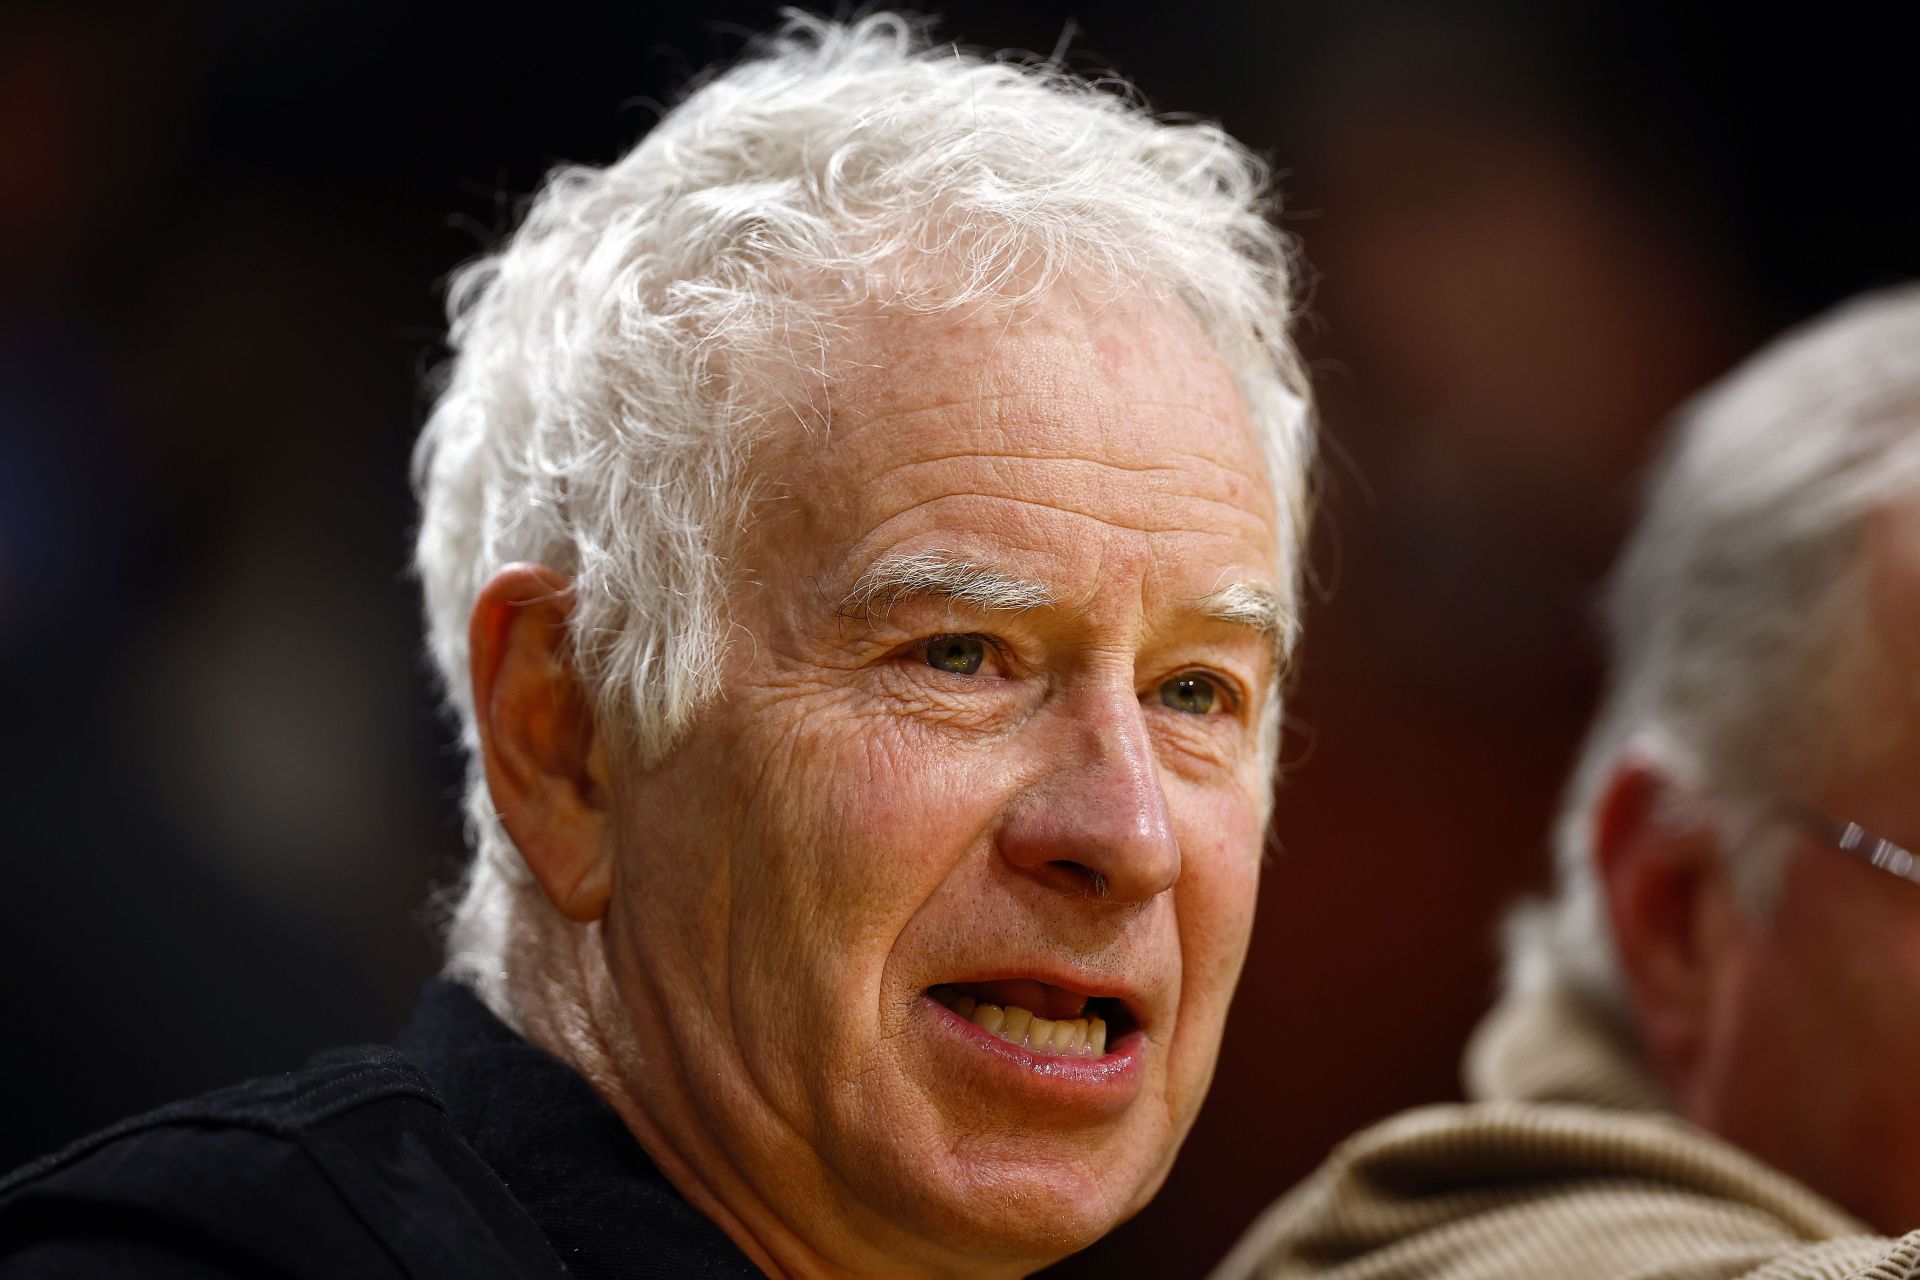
[1040, 1017]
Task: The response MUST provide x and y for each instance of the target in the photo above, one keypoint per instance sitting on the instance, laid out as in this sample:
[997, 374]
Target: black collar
[563, 1152]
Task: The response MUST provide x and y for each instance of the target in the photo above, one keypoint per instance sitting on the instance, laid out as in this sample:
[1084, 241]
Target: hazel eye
[1194, 694]
[960, 655]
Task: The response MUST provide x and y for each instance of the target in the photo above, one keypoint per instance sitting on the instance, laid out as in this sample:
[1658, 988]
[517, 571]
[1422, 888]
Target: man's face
[1814, 1060]
[989, 731]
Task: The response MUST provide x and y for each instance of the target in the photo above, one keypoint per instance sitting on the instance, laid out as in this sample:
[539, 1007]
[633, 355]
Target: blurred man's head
[1760, 738]
[859, 543]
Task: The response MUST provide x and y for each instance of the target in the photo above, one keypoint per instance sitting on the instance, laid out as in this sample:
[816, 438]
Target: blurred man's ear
[1671, 907]
[545, 766]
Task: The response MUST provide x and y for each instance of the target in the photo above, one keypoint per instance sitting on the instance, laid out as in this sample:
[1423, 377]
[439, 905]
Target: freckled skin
[850, 825]
[1812, 1058]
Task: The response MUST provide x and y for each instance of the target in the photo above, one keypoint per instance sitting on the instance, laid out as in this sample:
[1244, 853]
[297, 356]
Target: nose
[1097, 824]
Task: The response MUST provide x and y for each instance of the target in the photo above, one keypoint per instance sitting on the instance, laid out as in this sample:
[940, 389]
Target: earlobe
[1667, 894]
[544, 762]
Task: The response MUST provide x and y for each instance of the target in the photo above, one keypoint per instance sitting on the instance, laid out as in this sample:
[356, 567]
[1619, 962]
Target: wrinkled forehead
[1128, 383]
[1149, 347]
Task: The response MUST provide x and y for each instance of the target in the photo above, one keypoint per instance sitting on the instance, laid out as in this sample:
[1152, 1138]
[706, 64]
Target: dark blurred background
[1532, 229]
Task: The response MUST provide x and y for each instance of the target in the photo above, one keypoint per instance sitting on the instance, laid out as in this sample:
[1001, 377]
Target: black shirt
[460, 1152]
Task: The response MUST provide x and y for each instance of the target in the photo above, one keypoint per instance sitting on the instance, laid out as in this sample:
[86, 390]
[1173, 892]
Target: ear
[1671, 907]
[545, 766]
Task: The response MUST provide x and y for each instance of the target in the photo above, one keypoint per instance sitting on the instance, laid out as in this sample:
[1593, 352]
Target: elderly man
[1707, 1062]
[859, 537]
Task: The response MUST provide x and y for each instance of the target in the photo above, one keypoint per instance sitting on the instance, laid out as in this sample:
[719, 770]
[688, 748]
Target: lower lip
[1109, 1082]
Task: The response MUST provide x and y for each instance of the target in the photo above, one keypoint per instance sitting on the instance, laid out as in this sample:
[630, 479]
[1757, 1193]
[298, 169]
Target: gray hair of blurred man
[614, 362]
[1727, 615]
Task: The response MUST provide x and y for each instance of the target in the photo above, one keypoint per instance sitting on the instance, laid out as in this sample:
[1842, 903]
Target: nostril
[1093, 883]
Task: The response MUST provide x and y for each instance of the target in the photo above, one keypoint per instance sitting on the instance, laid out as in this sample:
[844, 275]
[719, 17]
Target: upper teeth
[1069, 1037]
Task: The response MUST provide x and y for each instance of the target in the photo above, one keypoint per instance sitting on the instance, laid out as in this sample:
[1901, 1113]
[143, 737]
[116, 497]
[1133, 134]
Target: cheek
[1222, 838]
[1825, 1009]
[852, 829]
[1845, 952]
[1824, 1001]
[916, 803]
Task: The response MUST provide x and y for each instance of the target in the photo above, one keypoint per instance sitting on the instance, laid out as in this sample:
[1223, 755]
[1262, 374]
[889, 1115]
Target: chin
[1013, 1206]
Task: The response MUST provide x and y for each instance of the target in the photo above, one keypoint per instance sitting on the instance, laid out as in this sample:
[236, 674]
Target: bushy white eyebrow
[1248, 604]
[944, 575]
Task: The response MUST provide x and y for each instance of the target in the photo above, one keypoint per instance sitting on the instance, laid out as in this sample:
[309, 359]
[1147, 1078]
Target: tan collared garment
[1566, 1166]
